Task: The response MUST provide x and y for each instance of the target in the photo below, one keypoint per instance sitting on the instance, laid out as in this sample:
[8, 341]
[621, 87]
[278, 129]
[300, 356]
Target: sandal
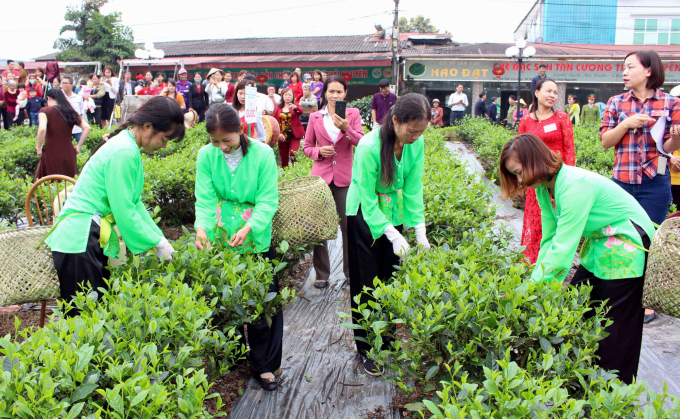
[321, 283]
[269, 384]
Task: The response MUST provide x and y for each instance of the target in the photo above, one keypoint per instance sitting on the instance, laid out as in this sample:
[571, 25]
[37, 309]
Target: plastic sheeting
[323, 376]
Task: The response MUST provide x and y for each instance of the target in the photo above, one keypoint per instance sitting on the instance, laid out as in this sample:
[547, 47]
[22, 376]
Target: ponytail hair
[408, 108]
[223, 117]
[163, 113]
[64, 106]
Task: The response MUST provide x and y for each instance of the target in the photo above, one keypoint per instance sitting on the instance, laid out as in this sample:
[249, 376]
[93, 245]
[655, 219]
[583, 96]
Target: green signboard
[353, 75]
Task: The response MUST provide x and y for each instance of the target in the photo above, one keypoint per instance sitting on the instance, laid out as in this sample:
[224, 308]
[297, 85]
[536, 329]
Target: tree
[418, 24]
[98, 37]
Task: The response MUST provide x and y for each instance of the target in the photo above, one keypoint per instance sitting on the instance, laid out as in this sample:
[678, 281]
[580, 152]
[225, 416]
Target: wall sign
[582, 71]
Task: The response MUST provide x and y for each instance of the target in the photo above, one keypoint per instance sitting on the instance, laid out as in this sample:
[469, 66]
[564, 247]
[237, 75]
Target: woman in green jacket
[108, 193]
[236, 189]
[576, 203]
[385, 194]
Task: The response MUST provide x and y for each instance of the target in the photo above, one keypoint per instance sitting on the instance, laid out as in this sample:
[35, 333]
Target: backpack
[52, 71]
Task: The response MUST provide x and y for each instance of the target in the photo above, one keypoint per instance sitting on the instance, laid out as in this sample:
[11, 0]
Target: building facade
[620, 22]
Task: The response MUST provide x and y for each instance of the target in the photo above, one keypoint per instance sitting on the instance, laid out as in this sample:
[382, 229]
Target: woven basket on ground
[306, 212]
[662, 280]
[26, 274]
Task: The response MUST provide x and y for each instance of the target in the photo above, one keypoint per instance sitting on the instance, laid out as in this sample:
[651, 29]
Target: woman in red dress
[54, 146]
[556, 131]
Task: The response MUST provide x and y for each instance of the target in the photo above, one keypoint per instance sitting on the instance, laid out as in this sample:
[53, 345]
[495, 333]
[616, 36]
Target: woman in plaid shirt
[639, 167]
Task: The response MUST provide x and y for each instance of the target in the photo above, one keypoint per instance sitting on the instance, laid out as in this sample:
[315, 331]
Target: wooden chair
[54, 188]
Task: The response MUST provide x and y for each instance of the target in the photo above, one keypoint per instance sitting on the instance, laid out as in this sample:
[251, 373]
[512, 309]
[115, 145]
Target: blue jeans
[653, 195]
[76, 137]
[456, 116]
[33, 118]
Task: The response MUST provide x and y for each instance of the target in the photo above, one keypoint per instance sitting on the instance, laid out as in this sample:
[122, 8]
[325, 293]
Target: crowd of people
[376, 180]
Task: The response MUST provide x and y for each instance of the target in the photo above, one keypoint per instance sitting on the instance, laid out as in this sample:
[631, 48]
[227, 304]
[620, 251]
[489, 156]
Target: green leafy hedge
[364, 106]
[488, 140]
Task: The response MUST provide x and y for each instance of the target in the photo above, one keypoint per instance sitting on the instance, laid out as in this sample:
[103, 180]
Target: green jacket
[591, 206]
[111, 183]
[590, 115]
[511, 110]
[249, 195]
[381, 206]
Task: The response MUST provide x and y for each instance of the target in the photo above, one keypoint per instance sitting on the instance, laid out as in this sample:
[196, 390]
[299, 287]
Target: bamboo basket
[27, 274]
[662, 279]
[306, 212]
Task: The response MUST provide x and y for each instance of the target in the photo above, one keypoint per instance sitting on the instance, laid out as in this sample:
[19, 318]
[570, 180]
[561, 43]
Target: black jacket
[492, 111]
[480, 108]
[196, 100]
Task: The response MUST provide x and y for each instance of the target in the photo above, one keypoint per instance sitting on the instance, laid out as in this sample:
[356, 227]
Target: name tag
[661, 165]
[663, 112]
[550, 128]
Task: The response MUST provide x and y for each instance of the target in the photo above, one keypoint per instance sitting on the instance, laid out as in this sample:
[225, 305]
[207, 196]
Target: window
[661, 31]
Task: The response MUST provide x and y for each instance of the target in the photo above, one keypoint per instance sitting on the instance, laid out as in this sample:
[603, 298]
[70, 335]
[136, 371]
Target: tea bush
[137, 352]
[364, 106]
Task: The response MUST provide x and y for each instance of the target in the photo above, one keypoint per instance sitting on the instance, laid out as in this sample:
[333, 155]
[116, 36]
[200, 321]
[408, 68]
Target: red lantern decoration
[347, 77]
[498, 72]
[262, 78]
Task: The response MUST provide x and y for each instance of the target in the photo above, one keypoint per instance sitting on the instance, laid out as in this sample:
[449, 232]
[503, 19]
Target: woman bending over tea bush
[236, 190]
[577, 203]
[108, 193]
[386, 192]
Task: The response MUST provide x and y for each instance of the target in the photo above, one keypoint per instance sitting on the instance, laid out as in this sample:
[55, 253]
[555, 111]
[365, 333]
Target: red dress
[558, 134]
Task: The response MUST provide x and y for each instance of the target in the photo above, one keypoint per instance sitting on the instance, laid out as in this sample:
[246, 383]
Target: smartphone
[340, 108]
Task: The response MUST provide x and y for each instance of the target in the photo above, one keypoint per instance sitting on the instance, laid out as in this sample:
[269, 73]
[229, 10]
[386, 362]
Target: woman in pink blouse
[330, 141]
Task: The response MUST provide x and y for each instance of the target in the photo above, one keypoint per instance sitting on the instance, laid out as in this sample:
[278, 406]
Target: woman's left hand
[340, 123]
[77, 149]
[240, 237]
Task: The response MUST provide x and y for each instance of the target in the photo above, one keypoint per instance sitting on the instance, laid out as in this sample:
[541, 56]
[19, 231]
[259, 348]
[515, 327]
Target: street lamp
[520, 51]
[149, 52]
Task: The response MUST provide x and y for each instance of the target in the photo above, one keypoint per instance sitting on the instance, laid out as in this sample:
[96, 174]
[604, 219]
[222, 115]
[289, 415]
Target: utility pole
[395, 45]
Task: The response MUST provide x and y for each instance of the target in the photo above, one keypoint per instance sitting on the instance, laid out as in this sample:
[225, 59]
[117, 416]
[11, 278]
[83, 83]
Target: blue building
[608, 22]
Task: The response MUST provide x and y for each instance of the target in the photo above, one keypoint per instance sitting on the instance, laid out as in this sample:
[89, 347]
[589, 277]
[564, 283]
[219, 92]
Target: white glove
[399, 244]
[164, 250]
[421, 236]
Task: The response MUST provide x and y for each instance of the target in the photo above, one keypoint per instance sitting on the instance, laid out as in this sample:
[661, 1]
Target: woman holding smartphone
[640, 167]
[329, 141]
[386, 193]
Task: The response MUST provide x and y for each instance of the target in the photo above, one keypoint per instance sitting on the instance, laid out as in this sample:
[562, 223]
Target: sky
[468, 21]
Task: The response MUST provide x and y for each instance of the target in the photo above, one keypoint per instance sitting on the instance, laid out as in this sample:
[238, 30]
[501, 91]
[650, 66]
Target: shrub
[364, 106]
[13, 193]
[135, 353]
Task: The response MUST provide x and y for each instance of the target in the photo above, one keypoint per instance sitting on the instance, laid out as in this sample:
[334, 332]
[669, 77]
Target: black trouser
[76, 269]
[456, 116]
[5, 121]
[266, 343]
[621, 349]
[675, 192]
[95, 116]
[368, 258]
[201, 114]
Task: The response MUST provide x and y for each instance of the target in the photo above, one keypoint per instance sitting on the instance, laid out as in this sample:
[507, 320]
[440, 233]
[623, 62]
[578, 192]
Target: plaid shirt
[636, 152]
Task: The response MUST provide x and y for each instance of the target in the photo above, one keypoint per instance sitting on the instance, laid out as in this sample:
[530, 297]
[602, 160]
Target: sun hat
[211, 72]
[435, 100]
[182, 71]
[675, 91]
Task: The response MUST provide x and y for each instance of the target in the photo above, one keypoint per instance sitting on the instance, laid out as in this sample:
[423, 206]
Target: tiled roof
[545, 50]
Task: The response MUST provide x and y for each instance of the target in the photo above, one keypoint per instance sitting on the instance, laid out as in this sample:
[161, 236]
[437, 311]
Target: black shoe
[649, 317]
[371, 368]
[320, 283]
[270, 384]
